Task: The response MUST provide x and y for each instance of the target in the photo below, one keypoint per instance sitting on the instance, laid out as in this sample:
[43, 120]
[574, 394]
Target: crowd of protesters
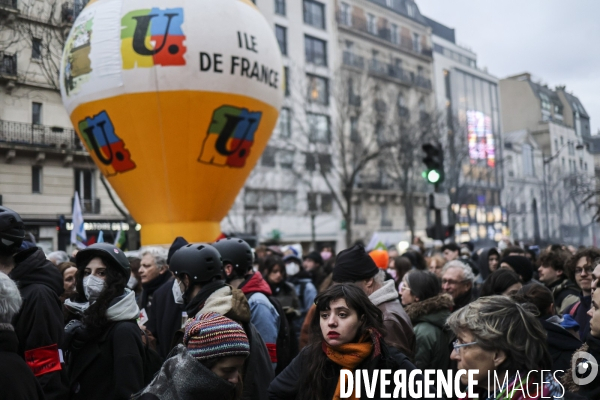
[226, 321]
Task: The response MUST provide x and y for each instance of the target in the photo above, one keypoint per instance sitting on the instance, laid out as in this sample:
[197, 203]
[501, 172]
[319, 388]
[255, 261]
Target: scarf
[122, 308]
[351, 355]
[197, 302]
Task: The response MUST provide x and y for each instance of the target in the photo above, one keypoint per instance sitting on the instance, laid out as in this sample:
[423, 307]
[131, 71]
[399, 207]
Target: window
[318, 89]
[372, 24]
[36, 179]
[410, 9]
[284, 123]
[84, 186]
[280, 7]
[326, 202]
[325, 163]
[36, 49]
[286, 159]
[269, 201]
[527, 160]
[251, 199]
[281, 34]
[311, 161]
[318, 126]
[416, 42]
[288, 201]
[354, 135]
[36, 113]
[395, 34]
[562, 141]
[345, 15]
[286, 81]
[268, 157]
[311, 200]
[314, 14]
[558, 112]
[316, 51]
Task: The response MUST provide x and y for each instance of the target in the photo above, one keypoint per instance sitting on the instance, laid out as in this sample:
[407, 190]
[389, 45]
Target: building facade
[42, 161]
[559, 124]
[467, 98]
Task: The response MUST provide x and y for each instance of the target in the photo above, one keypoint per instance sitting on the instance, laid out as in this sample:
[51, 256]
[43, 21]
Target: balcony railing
[8, 64]
[423, 82]
[89, 206]
[8, 4]
[353, 60]
[21, 133]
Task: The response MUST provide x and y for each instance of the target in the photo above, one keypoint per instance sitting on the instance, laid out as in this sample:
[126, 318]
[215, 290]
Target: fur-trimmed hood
[567, 378]
[440, 303]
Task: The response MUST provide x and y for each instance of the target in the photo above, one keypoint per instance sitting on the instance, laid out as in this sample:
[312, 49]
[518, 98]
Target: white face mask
[132, 282]
[92, 287]
[292, 269]
[177, 295]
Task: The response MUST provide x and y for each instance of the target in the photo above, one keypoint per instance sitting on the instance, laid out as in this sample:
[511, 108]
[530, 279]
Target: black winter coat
[164, 317]
[17, 382]
[39, 323]
[561, 345]
[109, 367]
[286, 384]
[580, 315]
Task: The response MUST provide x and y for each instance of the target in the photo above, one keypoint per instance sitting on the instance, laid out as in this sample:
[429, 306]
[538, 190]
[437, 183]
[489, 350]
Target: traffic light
[434, 161]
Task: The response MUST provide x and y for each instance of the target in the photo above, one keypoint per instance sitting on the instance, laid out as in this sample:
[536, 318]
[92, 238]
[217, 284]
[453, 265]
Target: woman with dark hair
[428, 310]
[502, 282]
[347, 332]
[398, 267]
[561, 343]
[501, 338]
[275, 274]
[104, 351]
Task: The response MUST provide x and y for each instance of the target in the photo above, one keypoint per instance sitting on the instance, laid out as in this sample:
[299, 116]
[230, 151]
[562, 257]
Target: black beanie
[353, 264]
[178, 243]
[521, 265]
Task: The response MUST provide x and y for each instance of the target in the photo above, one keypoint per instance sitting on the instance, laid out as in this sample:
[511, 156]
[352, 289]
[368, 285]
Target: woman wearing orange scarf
[347, 333]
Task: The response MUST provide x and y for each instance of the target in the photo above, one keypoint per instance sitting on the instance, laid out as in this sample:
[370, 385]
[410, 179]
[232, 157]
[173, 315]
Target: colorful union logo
[99, 135]
[230, 137]
[152, 37]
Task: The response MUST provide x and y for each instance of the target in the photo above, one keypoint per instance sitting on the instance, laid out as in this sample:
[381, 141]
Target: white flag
[78, 235]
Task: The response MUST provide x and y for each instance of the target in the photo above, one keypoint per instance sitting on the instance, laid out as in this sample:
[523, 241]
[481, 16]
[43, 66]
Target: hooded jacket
[17, 382]
[264, 315]
[39, 323]
[565, 293]
[182, 377]
[580, 315]
[397, 323]
[561, 345]
[433, 341]
[258, 371]
[109, 364]
[164, 317]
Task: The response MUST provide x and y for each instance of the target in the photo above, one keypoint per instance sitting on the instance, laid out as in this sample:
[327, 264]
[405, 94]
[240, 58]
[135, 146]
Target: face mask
[392, 273]
[132, 282]
[177, 295]
[325, 255]
[92, 287]
[292, 269]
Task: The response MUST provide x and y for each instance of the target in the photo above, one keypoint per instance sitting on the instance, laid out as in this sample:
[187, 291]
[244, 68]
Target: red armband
[272, 348]
[43, 360]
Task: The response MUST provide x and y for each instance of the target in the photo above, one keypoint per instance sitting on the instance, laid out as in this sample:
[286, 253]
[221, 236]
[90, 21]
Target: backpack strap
[574, 308]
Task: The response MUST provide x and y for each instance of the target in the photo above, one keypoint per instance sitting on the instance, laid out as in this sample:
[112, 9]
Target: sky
[557, 41]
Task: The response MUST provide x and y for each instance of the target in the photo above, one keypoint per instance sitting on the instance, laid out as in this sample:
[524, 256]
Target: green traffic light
[433, 176]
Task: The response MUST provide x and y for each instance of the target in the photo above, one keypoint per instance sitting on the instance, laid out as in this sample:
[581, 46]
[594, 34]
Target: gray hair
[467, 271]
[379, 278]
[158, 253]
[10, 299]
[58, 257]
[500, 323]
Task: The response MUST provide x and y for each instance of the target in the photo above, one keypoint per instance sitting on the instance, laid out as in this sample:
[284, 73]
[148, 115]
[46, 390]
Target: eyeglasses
[452, 282]
[457, 345]
[579, 271]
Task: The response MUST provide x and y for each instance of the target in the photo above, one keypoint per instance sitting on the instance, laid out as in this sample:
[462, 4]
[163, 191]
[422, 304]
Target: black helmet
[236, 252]
[105, 251]
[12, 231]
[200, 262]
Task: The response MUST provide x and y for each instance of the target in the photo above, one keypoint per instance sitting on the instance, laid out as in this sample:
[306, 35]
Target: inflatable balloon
[175, 101]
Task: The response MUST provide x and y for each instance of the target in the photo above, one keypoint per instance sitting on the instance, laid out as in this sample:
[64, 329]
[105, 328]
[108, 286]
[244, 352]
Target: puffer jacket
[182, 377]
[433, 341]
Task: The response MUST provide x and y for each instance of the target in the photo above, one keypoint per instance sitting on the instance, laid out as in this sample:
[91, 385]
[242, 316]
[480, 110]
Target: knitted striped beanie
[212, 335]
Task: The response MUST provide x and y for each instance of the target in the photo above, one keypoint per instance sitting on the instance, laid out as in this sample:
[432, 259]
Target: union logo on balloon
[175, 101]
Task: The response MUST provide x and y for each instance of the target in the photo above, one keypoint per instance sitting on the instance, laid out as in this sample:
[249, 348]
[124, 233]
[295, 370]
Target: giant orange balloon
[175, 101]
